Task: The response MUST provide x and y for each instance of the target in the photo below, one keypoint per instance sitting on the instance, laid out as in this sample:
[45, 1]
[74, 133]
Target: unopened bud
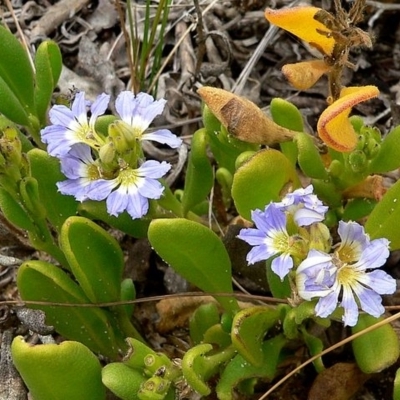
[107, 153]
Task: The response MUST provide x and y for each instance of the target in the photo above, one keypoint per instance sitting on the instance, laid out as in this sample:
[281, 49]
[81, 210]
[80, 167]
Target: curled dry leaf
[242, 118]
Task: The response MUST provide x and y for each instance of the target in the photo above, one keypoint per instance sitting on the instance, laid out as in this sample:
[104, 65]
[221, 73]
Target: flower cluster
[109, 166]
[337, 275]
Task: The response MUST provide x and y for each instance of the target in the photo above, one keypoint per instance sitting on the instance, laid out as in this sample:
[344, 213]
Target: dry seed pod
[242, 118]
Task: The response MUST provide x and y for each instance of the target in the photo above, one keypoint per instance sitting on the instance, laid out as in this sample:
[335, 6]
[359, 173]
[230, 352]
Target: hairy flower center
[93, 172]
[128, 176]
[347, 254]
[347, 275]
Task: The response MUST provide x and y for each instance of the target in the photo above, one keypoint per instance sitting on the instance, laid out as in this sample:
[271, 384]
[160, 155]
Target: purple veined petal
[315, 261]
[153, 169]
[117, 201]
[281, 265]
[125, 106]
[354, 236]
[327, 305]
[316, 275]
[138, 206]
[145, 114]
[59, 140]
[379, 281]
[259, 253]
[78, 108]
[99, 107]
[150, 188]
[82, 152]
[73, 168]
[271, 220]
[101, 189]
[163, 136]
[73, 187]
[61, 115]
[370, 301]
[144, 100]
[350, 307]
[253, 237]
[306, 217]
[374, 256]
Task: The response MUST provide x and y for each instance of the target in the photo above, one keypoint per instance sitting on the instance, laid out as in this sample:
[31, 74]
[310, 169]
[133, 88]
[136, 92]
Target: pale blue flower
[305, 206]
[71, 126]
[139, 112]
[269, 238]
[80, 169]
[131, 189]
[343, 277]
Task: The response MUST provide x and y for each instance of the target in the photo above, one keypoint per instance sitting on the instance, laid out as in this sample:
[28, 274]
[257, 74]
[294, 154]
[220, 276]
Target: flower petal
[334, 127]
[301, 22]
[327, 305]
[163, 136]
[379, 281]
[282, 265]
[259, 253]
[350, 307]
[370, 301]
[304, 75]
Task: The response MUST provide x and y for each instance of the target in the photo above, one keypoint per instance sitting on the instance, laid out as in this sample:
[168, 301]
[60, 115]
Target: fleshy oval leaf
[261, 179]
[196, 253]
[64, 371]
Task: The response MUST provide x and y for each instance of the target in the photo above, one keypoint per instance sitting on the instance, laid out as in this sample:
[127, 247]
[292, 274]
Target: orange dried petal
[334, 127]
[300, 22]
[304, 74]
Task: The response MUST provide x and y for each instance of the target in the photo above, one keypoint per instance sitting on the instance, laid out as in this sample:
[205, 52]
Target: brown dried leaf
[243, 118]
[339, 382]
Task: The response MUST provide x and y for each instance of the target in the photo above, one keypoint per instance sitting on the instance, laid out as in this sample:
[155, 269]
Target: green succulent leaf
[251, 192]
[388, 158]
[42, 281]
[16, 70]
[64, 371]
[46, 170]
[239, 369]
[48, 65]
[196, 253]
[123, 381]
[396, 386]
[14, 212]
[206, 316]
[383, 220]
[287, 115]
[97, 210]
[375, 350]
[10, 105]
[199, 175]
[248, 330]
[95, 258]
[309, 158]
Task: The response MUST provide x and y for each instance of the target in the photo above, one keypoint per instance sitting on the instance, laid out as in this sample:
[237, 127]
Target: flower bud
[320, 237]
[242, 118]
[107, 153]
[305, 74]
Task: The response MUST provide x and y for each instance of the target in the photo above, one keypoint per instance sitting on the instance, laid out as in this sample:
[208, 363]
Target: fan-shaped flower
[71, 126]
[343, 276]
[139, 112]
